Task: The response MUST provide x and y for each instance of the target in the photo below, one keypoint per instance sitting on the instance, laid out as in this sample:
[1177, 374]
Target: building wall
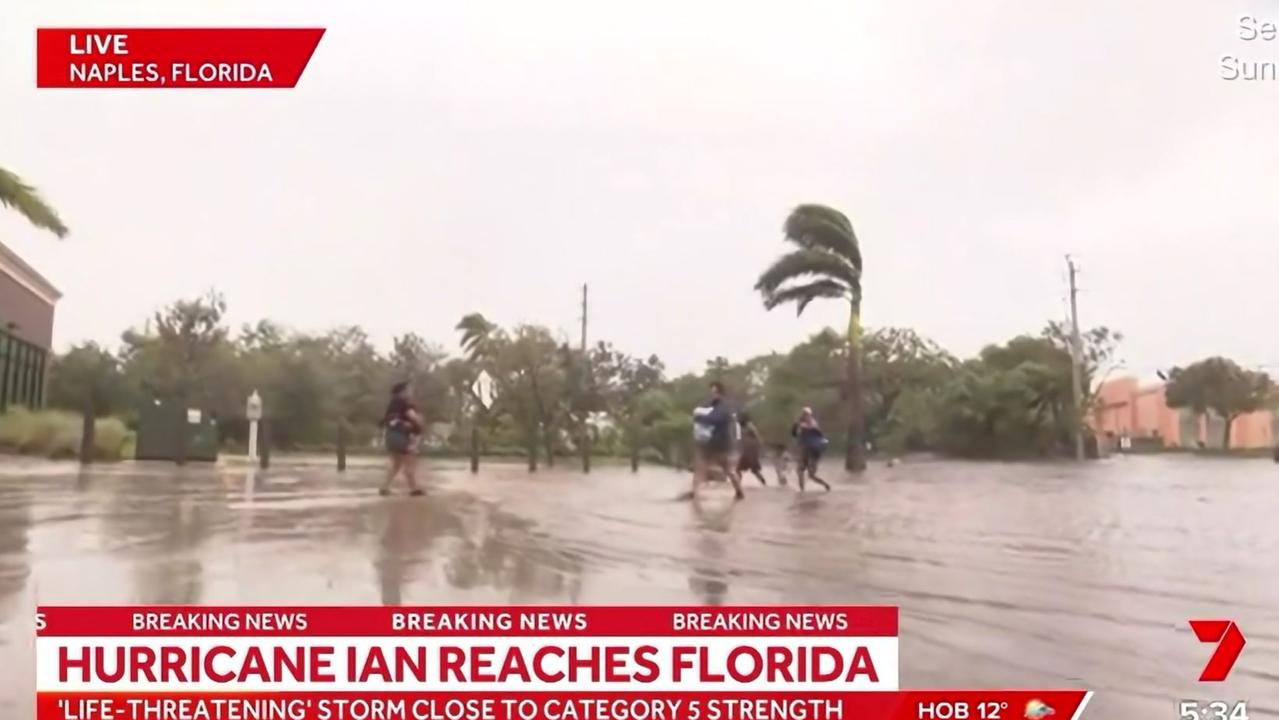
[1127, 409]
[22, 372]
[23, 313]
[27, 303]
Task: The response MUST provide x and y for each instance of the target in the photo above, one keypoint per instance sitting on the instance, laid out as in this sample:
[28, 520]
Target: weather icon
[1036, 709]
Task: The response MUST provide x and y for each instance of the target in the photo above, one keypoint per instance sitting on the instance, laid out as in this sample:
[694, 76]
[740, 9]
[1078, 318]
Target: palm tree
[826, 264]
[16, 194]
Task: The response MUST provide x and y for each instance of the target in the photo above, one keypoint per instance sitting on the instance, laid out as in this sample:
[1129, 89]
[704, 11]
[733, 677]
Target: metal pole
[342, 445]
[253, 441]
[1076, 360]
[586, 368]
[88, 425]
[265, 458]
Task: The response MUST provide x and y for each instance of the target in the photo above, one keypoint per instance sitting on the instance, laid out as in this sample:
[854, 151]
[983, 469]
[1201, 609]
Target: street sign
[253, 407]
[483, 389]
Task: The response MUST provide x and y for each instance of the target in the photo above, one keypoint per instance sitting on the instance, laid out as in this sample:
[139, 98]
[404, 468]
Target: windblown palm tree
[16, 194]
[826, 264]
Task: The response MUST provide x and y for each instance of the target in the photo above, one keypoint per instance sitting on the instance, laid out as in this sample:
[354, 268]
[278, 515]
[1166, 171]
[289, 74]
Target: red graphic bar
[1230, 642]
[903, 705]
[468, 621]
[173, 57]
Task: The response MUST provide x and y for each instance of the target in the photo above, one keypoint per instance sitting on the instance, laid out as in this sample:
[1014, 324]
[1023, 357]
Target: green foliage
[1013, 399]
[828, 263]
[1219, 385]
[16, 194]
[86, 373]
[57, 435]
[904, 376]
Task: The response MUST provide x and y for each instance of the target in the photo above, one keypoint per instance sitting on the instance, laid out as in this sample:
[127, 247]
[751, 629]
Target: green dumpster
[159, 433]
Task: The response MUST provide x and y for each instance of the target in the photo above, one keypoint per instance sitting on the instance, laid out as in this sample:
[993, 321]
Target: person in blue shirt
[713, 438]
[812, 443]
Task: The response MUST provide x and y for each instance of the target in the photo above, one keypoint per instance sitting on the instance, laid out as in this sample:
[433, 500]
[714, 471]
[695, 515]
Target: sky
[442, 158]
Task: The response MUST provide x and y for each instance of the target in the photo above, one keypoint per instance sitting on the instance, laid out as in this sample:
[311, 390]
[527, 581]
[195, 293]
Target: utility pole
[585, 439]
[1076, 359]
[584, 290]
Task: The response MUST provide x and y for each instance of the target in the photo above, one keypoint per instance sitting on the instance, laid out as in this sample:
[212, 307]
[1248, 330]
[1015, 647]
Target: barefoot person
[713, 437]
[749, 449]
[812, 442]
[403, 427]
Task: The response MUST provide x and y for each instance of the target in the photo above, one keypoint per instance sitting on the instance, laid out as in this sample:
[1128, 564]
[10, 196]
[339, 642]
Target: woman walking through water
[403, 427]
[812, 442]
[748, 456]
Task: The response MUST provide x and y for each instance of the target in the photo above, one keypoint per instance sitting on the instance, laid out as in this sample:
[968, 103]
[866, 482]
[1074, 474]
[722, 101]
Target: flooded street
[1007, 575]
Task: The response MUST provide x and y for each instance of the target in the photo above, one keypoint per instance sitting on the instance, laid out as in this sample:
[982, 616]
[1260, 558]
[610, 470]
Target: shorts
[708, 458]
[748, 461]
[401, 443]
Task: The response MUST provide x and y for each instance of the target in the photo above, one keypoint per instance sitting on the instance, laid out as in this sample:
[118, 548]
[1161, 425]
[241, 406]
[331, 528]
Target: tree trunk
[532, 456]
[635, 453]
[586, 448]
[87, 428]
[475, 448]
[1225, 432]
[548, 439]
[855, 453]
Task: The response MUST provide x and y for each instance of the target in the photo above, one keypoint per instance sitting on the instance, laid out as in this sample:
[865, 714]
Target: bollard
[184, 436]
[264, 456]
[86, 434]
[475, 449]
[342, 447]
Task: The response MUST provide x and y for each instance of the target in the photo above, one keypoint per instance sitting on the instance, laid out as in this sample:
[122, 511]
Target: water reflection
[1006, 574]
[159, 524]
[709, 578]
[15, 526]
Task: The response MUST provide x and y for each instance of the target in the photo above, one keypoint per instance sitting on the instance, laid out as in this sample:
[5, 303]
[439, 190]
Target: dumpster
[159, 433]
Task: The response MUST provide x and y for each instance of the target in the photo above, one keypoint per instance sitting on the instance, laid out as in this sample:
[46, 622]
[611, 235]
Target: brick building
[27, 302]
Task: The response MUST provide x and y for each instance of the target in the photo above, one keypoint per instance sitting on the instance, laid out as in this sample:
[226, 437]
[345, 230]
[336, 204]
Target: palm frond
[817, 227]
[802, 295]
[805, 262]
[16, 194]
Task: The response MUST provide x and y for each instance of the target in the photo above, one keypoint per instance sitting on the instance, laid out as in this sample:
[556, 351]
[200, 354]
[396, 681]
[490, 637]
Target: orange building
[1127, 409]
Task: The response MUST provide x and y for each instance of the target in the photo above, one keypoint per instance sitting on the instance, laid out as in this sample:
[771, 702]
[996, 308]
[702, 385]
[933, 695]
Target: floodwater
[1007, 574]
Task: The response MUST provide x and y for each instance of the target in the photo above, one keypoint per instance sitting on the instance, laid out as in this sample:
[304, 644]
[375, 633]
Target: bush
[56, 435]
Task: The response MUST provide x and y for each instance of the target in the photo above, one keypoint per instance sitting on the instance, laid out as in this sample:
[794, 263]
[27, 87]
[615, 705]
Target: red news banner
[495, 663]
[173, 58]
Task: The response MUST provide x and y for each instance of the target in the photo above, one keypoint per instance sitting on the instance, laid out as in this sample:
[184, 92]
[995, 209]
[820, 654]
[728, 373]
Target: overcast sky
[442, 158]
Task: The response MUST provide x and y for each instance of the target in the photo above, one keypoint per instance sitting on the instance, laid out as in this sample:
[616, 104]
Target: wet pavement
[1007, 574]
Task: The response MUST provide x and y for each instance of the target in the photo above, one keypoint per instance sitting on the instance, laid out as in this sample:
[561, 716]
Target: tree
[175, 356]
[16, 194]
[827, 264]
[1220, 385]
[630, 390]
[1013, 399]
[86, 374]
[1097, 359]
[903, 373]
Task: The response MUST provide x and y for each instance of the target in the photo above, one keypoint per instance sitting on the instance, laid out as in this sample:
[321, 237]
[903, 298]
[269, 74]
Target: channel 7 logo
[1229, 641]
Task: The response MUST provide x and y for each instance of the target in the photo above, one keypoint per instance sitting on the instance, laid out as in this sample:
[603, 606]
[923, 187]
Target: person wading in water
[713, 437]
[403, 431]
[750, 449]
[812, 442]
